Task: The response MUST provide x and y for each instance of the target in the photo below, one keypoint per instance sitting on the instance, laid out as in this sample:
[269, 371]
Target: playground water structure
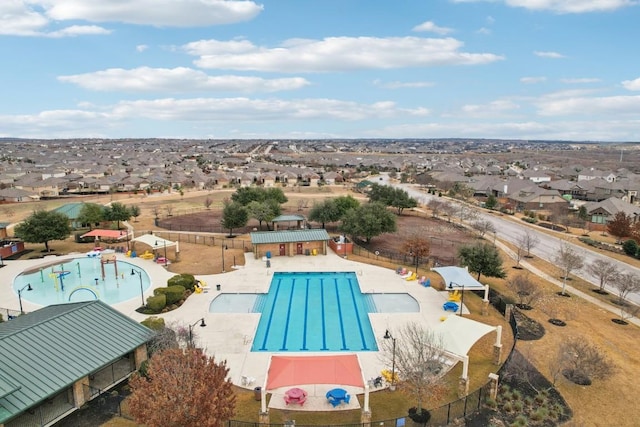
[318, 311]
[82, 279]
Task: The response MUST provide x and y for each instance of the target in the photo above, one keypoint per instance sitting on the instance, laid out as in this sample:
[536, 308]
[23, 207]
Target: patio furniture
[450, 306]
[295, 395]
[336, 396]
[376, 382]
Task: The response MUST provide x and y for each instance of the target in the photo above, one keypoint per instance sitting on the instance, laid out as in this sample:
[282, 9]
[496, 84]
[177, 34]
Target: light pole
[387, 335]
[202, 325]
[27, 287]
[451, 285]
[139, 273]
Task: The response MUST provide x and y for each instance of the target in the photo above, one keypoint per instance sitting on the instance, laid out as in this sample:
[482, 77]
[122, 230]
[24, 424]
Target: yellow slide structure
[412, 277]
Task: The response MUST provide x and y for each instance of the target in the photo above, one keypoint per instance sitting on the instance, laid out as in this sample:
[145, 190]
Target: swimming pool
[314, 312]
[81, 279]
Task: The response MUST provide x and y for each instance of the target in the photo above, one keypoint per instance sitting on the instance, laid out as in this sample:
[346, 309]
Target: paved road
[547, 248]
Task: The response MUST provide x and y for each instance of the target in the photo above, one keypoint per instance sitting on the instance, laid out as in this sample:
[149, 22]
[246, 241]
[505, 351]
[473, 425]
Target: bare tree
[448, 209]
[156, 212]
[169, 210]
[582, 362]
[527, 241]
[606, 272]
[528, 293]
[625, 284]
[419, 361]
[483, 227]
[569, 261]
[436, 207]
[560, 311]
[208, 202]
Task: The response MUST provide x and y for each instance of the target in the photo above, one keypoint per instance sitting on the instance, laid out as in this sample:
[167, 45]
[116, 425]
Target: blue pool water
[74, 280]
[314, 312]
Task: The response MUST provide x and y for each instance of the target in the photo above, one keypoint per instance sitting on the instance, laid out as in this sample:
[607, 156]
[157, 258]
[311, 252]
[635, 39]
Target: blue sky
[276, 69]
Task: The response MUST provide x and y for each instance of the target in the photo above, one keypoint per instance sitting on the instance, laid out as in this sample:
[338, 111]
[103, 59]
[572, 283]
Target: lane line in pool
[355, 308]
[324, 326]
[306, 316]
[286, 323]
[344, 343]
[273, 306]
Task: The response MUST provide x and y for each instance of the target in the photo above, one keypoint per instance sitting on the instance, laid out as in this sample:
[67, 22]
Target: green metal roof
[49, 349]
[284, 218]
[72, 210]
[288, 236]
[4, 224]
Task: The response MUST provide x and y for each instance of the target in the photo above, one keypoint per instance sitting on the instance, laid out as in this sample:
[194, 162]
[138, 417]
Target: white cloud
[632, 84]
[493, 108]
[18, 18]
[336, 54]
[79, 30]
[562, 6]
[177, 80]
[225, 109]
[431, 27]
[165, 13]
[33, 17]
[581, 80]
[484, 31]
[141, 47]
[574, 104]
[533, 80]
[401, 85]
[553, 55]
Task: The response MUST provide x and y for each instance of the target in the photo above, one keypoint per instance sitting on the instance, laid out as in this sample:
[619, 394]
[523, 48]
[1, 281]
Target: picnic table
[295, 395]
[337, 396]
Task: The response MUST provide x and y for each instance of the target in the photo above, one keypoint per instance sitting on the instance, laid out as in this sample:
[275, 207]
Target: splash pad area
[82, 279]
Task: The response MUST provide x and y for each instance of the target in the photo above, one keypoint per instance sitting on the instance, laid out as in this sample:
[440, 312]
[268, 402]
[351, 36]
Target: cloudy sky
[526, 69]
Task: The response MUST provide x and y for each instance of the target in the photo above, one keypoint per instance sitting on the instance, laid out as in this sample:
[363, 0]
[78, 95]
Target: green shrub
[185, 280]
[529, 220]
[173, 293]
[518, 405]
[154, 322]
[157, 302]
[520, 421]
[491, 403]
[630, 247]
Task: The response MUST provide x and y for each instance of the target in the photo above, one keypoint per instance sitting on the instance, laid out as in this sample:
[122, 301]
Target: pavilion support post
[493, 386]
[263, 418]
[365, 418]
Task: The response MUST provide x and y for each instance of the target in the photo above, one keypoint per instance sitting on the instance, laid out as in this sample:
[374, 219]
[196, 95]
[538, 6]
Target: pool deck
[229, 336]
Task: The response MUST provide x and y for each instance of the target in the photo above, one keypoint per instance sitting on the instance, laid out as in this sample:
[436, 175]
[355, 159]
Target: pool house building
[289, 242]
[59, 357]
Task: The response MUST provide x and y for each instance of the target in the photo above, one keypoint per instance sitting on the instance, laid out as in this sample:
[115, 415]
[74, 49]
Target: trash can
[268, 263]
[257, 393]
[217, 287]
[268, 254]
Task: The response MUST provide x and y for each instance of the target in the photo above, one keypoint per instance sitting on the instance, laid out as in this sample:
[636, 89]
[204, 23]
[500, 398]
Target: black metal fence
[395, 257]
[202, 239]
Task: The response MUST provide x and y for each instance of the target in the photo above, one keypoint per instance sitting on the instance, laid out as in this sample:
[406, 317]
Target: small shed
[295, 222]
[289, 242]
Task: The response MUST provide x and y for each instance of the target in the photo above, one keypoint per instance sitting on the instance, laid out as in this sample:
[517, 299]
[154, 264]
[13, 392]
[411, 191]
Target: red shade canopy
[296, 370]
[109, 234]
